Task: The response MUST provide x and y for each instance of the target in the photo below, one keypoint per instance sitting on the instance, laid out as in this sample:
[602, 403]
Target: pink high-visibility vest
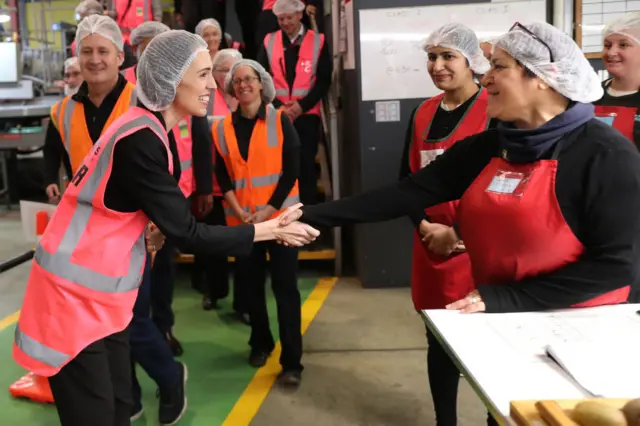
[129, 17]
[216, 110]
[130, 74]
[88, 264]
[306, 68]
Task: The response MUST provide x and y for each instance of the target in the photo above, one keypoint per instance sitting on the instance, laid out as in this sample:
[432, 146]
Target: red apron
[514, 229]
[437, 281]
[620, 118]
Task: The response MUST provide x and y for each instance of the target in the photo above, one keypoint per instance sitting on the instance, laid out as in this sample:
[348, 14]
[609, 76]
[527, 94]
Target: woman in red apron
[549, 200]
[438, 276]
[619, 105]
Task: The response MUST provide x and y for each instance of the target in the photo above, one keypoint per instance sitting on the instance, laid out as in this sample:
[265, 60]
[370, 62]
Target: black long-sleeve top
[96, 118]
[631, 101]
[598, 190]
[291, 53]
[140, 180]
[243, 128]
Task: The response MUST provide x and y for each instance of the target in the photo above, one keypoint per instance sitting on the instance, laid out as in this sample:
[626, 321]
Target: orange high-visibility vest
[88, 265]
[130, 16]
[253, 180]
[68, 117]
[306, 68]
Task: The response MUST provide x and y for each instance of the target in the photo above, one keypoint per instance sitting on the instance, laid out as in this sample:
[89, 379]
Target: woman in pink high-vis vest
[87, 268]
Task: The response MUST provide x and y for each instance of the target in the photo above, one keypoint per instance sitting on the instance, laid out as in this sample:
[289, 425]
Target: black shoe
[290, 379]
[258, 358]
[174, 345]
[136, 411]
[209, 304]
[173, 402]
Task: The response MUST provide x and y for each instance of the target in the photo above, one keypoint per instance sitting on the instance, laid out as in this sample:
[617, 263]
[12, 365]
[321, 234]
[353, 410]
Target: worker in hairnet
[268, 21]
[72, 76]
[210, 273]
[441, 270]
[84, 279]
[93, 7]
[211, 31]
[196, 151]
[537, 237]
[79, 119]
[273, 168]
[299, 61]
[619, 105]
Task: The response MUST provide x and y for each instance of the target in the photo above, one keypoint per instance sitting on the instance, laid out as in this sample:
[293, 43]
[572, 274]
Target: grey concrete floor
[365, 365]
[12, 244]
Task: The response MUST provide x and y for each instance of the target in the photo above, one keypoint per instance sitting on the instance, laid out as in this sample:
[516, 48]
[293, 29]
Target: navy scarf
[528, 145]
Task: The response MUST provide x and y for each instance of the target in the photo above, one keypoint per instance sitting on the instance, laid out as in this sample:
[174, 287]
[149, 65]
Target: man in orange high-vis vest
[257, 164]
[79, 119]
[299, 61]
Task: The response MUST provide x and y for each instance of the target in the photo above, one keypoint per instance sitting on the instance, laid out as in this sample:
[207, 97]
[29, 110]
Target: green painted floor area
[216, 353]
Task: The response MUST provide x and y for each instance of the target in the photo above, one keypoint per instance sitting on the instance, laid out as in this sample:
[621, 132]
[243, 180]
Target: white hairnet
[209, 22]
[101, 25]
[146, 31]
[570, 73]
[268, 89]
[162, 66]
[69, 62]
[89, 7]
[461, 38]
[287, 6]
[224, 55]
[628, 26]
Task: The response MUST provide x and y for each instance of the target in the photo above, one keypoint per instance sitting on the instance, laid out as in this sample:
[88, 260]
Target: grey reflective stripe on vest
[314, 64]
[272, 131]
[212, 101]
[38, 351]
[145, 15]
[213, 118]
[62, 266]
[185, 165]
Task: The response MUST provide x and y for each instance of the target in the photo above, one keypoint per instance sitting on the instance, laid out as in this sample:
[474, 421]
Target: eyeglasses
[535, 37]
[246, 80]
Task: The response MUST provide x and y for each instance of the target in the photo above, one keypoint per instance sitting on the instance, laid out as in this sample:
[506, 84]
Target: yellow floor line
[251, 399]
[9, 320]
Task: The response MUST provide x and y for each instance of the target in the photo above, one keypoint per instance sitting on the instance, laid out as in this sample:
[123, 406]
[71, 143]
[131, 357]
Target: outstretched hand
[295, 234]
[290, 215]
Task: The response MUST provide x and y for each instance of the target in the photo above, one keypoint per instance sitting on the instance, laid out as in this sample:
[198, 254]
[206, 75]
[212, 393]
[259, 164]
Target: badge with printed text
[139, 11]
[607, 119]
[509, 183]
[306, 66]
[427, 156]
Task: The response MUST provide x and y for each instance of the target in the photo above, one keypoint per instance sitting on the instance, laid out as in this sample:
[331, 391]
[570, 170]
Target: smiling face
[290, 23]
[211, 34]
[448, 68]
[72, 77]
[246, 85]
[513, 93]
[621, 55]
[99, 59]
[192, 94]
[221, 71]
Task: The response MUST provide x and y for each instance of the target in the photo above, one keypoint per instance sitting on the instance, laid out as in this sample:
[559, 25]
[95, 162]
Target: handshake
[289, 232]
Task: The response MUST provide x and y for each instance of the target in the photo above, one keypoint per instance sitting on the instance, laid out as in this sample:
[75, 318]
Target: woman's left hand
[262, 215]
[470, 304]
[154, 238]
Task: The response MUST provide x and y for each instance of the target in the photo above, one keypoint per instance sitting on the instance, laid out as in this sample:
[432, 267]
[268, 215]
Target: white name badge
[509, 183]
[428, 156]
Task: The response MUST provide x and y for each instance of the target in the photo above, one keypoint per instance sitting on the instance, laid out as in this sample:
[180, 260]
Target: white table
[502, 355]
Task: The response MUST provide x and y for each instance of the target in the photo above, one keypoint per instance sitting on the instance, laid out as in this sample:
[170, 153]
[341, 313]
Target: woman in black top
[257, 166]
[550, 199]
[621, 56]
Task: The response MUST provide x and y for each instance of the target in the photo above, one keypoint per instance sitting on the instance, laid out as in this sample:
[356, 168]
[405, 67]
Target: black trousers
[444, 378]
[284, 281]
[95, 387]
[163, 275]
[308, 127]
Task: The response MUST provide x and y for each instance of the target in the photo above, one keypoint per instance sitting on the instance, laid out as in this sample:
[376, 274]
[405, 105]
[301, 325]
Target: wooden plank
[527, 413]
[328, 254]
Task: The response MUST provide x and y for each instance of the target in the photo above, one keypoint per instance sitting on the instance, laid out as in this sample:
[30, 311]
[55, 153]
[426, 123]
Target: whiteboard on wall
[392, 61]
[596, 14]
